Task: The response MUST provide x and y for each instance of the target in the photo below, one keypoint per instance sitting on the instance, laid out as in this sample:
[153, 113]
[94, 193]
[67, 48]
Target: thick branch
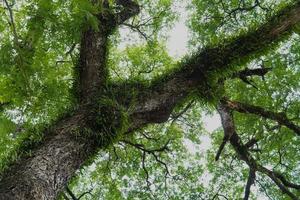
[161, 97]
[128, 9]
[93, 50]
[53, 162]
[92, 63]
[251, 72]
[286, 182]
[281, 118]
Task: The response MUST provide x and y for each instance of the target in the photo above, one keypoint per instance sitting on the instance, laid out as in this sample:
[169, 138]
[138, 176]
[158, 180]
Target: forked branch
[244, 155]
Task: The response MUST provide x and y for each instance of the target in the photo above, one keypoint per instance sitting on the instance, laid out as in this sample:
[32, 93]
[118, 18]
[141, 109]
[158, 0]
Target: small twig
[148, 137]
[251, 143]
[137, 28]
[174, 117]
[12, 22]
[145, 170]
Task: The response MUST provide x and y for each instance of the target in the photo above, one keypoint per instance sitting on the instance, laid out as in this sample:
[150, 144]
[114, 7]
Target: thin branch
[12, 22]
[251, 143]
[152, 152]
[85, 193]
[250, 182]
[137, 28]
[72, 48]
[251, 72]
[65, 196]
[71, 193]
[246, 73]
[145, 135]
[264, 189]
[142, 147]
[145, 170]
[175, 116]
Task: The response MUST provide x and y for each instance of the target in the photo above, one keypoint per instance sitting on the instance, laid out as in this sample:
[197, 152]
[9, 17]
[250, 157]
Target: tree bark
[51, 165]
[45, 173]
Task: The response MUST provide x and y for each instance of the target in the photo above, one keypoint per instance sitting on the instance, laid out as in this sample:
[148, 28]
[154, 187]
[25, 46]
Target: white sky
[177, 43]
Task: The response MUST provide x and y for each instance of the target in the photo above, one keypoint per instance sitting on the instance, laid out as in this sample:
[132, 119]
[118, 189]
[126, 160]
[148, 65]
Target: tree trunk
[51, 165]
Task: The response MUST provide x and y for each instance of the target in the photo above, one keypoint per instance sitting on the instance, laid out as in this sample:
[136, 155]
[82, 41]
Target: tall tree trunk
[43, 174]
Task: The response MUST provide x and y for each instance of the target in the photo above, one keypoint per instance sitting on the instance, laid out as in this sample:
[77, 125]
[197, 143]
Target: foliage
[174, 160]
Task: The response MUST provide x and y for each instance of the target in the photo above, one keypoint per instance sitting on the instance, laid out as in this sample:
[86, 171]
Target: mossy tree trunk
[66, 146]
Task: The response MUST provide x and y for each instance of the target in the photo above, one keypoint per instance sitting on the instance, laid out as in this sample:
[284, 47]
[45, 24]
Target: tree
[62, 101]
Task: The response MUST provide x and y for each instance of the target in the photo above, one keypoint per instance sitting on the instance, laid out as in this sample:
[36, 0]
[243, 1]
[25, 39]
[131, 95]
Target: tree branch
[250, 182]
[251, 72]
[164, 93]
[145, 170]
[12, 22]
[71, 193]
[128, 9]
[246, 73]
[175, 116]
[251, 142]
[93, 71]
[281, 118]
[286, 182]
[244, 155]
[152, 152]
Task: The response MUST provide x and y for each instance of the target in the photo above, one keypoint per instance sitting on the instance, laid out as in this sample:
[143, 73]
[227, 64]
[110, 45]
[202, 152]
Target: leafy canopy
[39, 48]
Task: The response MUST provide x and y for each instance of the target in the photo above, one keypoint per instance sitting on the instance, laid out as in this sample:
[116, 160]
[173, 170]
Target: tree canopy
[94, 106]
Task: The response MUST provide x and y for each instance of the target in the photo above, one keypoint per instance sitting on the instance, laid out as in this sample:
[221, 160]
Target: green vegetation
[39, 71]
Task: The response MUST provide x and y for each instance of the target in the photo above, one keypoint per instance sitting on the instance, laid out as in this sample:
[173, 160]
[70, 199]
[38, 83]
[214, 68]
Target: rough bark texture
[41, 175]
[46, 172]
[92, 69]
